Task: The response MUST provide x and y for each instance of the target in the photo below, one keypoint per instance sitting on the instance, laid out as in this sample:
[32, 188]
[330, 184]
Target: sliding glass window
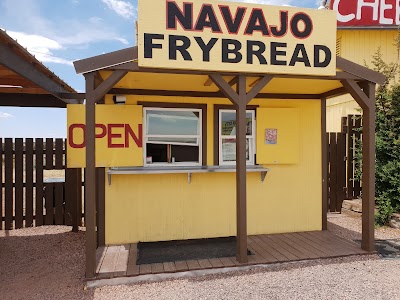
[172, 136]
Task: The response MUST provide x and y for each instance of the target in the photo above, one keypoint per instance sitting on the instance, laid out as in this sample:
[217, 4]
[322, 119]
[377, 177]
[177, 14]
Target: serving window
[172, 136]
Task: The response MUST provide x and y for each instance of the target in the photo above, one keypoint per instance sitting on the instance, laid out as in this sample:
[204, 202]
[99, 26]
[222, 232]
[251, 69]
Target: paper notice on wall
[271, 136]
[229, 150]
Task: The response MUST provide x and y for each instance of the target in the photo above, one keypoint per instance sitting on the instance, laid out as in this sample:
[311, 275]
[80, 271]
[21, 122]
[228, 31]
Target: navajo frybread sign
[229, 36]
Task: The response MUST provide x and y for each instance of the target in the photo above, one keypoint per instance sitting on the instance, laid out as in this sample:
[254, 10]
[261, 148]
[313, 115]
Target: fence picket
[49, 154]
[59, 203]
[333, 172]
[39, 182]
[28, 182]
[357, 137]
[9, 201]
[341, 170]
[1, 183]
[49, 203]
[19, 179]
[350, 157]
[59, 153]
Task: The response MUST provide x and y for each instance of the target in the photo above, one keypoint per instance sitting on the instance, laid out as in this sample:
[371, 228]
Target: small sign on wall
[271, 136]
[278, 137]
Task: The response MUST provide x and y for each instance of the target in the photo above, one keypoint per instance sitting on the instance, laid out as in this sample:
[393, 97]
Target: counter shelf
[179, 170]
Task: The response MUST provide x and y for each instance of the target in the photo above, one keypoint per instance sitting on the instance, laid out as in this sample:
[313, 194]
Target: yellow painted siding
[337, 108]
[359, 46]
[167, 207]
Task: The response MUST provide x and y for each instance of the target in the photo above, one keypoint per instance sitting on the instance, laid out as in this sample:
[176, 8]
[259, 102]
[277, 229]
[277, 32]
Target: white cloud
[47, 38]
[4, 116]
[123, 8]
[39, 46]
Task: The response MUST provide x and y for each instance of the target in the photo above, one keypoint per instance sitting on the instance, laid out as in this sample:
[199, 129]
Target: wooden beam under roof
[29, 100]
[5, 72]
[15, 90]
[18, 81]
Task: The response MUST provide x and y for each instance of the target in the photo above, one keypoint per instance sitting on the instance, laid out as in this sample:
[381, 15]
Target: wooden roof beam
[359, 71]
[358, 94]
[16, 90]
[26, 100]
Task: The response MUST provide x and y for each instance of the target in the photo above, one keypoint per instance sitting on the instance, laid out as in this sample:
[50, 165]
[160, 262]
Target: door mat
[160, 252]
[389, 249]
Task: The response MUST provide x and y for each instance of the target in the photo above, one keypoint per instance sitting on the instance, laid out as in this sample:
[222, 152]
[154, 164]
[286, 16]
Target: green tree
[387, 140]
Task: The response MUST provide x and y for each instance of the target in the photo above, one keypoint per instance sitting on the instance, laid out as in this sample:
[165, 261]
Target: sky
[59, 32]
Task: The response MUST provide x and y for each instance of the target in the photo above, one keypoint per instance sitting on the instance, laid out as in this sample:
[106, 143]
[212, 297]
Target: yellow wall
[337, 108]
[359, 46]
[167, 207]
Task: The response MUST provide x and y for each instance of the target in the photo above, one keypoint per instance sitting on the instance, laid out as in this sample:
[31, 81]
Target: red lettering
[103, 131]
[71, 141]
[129, 133]
[112, 135]
[108, 131]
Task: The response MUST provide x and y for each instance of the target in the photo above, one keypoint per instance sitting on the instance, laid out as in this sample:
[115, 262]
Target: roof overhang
[25, 81]
[168, 82]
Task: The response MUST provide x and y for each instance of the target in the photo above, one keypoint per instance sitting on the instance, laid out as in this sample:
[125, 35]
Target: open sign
[118, 133]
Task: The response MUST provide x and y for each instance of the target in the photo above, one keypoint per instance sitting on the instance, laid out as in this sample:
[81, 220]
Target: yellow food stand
[214, 126]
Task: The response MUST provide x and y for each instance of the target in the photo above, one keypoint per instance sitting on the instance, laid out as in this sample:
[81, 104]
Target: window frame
[252, 138]
[200, 136]
[217, 108]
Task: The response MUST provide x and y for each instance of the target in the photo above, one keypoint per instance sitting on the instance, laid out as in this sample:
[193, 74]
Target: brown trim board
[324, 145]
[203, 108]
[196, 94]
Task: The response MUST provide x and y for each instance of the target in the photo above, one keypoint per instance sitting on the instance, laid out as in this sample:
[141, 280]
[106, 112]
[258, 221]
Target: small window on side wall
[227, 137]
[172, 136]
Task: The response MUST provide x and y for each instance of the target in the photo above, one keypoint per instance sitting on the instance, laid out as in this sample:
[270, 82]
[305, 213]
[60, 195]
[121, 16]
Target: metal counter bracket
[179, 170]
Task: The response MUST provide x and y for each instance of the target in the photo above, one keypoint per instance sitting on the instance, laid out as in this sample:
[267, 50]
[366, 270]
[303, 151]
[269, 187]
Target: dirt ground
[48, 263]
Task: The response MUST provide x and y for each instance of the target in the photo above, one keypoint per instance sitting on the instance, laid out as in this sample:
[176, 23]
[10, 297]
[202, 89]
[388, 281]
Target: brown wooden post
[240, 99]
[241, 205]
[93, 95]
[100, 195]
[368, 172]
[366, 99]
[90, 185]
[324, 147]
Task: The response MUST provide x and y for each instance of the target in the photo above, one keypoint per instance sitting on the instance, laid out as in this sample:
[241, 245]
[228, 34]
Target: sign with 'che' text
[236, 37]
[367, 12]
[119, 136]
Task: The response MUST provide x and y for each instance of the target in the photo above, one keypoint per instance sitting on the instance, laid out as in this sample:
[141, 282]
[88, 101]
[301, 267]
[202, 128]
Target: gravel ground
[348, 225]
[48, 263]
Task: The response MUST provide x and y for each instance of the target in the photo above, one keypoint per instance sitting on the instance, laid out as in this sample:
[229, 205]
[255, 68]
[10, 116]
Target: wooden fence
[30, 194]
[342, 182]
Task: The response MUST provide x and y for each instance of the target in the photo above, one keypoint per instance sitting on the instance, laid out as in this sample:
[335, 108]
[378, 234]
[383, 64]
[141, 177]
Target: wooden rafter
[358, 94]
[106, 85]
